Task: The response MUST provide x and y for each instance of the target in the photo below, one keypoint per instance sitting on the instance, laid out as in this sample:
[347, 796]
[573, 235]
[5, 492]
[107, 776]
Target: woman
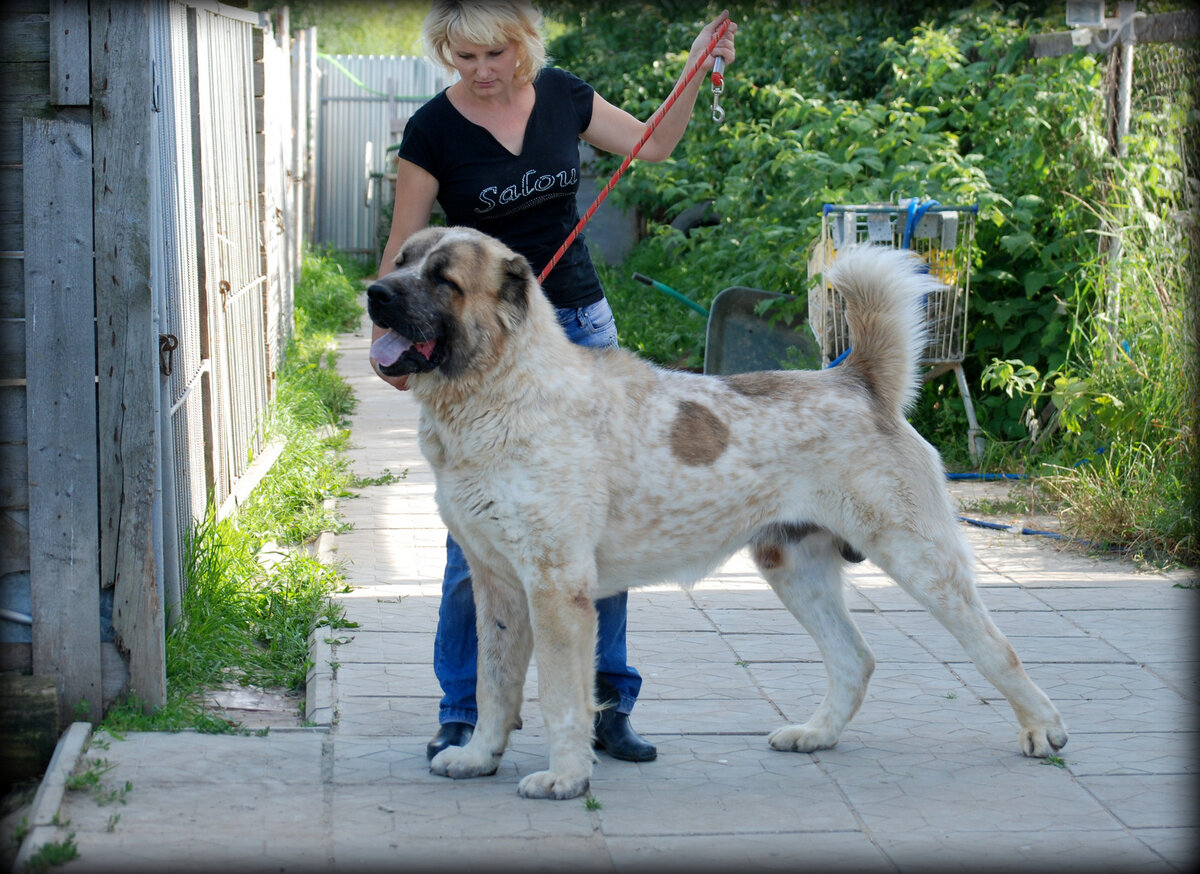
[499, 150]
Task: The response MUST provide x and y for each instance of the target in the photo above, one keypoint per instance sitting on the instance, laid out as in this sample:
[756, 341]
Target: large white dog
[570, 474]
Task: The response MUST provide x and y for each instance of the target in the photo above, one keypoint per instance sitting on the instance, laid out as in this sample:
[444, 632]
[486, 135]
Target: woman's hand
[724, 46]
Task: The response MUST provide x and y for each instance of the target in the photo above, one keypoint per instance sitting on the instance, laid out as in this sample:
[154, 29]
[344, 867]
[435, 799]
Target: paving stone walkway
[928, 776]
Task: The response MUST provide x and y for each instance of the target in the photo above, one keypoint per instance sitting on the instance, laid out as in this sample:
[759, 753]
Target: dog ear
[514, 282]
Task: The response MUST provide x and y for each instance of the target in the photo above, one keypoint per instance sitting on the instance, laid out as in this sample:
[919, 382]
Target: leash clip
[718, 87]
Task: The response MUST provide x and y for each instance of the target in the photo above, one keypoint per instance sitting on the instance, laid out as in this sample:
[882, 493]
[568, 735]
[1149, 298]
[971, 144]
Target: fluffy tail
[884, 292]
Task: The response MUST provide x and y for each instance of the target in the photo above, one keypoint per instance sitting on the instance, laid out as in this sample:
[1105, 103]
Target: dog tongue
[389, 347]
[426, 348]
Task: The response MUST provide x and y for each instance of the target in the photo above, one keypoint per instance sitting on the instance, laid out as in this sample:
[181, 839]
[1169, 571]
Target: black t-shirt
[528, 200]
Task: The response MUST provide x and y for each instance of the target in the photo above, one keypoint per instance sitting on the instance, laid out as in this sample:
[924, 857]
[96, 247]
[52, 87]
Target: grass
[1131, 498]
[254, 591]
[90, 780]
[53, 854]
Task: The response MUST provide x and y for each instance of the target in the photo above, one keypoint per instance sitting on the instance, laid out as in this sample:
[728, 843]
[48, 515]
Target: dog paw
[1040, 742]
[460, 763]
[548, 784]
[801, 739]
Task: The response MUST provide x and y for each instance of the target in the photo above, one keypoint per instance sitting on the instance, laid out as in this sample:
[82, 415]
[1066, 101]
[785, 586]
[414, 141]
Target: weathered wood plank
[14, 541]
[14, 479]
[60, 352]
[29, 726]
[24, 36]
[69, 55]
[12, 288]
[127, 354]
[24, 82]
[12, 232]
[12, 349]
[12, 414]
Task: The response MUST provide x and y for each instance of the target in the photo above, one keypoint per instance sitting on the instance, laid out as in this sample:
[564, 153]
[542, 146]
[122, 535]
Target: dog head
[454, 296]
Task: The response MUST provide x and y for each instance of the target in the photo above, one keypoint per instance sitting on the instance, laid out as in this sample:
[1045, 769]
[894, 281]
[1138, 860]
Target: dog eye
[443, 279]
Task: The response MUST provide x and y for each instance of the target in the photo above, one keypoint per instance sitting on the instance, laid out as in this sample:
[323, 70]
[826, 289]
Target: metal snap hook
[718, 87]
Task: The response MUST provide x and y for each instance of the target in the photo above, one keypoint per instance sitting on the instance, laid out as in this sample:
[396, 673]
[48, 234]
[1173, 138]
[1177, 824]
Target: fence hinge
[167, 344]
[225, 289]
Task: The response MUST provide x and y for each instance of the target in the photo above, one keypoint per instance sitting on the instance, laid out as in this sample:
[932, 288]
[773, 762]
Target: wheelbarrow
[742, 338]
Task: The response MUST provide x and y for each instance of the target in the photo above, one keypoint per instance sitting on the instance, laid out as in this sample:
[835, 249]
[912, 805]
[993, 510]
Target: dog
[570, 474]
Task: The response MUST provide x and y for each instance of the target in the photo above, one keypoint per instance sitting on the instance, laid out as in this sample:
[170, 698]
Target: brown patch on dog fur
[759, 385]
[698, 437]
[767, 548]
[768, 555]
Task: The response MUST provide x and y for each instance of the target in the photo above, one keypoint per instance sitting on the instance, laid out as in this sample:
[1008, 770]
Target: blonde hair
[486, 23]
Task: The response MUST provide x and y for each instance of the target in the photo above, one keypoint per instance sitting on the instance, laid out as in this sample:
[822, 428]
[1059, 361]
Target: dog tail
[885, 293]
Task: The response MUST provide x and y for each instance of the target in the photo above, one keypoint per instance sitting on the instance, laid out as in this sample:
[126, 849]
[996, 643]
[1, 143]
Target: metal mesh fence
[1166, 87]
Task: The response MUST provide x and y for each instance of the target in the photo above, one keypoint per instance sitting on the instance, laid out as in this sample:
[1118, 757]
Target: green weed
[53, 854]
[90, 781]
[386, 478]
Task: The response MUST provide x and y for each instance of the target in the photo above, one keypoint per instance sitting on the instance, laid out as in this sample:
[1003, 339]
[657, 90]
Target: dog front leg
[564, 632]
[505, 645]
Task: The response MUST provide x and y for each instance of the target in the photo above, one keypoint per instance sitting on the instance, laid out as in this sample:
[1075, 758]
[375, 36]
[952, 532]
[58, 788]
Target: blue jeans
[456, 648]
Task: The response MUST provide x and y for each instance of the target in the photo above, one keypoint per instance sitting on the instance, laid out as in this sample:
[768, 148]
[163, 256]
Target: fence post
[127, 355]
[60, 367]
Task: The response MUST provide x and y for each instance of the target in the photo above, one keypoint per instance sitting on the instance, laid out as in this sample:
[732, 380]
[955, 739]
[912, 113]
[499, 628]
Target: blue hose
[996, 526]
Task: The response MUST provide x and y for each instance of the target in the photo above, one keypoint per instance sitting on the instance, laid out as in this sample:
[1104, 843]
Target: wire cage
[943, 237]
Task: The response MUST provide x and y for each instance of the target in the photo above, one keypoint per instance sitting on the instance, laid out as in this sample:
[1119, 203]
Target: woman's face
[486, 70]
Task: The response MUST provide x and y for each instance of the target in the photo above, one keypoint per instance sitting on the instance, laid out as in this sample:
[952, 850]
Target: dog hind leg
[803, 566]
[939, 573]
[505, 645]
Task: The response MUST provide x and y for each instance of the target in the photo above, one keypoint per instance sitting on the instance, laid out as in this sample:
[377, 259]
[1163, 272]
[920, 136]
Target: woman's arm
[615, 130]
[416, 191]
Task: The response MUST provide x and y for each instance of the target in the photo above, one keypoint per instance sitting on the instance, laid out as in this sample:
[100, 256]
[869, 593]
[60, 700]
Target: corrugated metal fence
[365, 101]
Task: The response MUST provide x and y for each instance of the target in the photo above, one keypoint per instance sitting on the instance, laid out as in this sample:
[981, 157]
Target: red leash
[653, 123]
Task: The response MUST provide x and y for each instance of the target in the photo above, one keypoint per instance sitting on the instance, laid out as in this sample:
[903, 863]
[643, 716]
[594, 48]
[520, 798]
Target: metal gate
[219, 326]
[231, 241]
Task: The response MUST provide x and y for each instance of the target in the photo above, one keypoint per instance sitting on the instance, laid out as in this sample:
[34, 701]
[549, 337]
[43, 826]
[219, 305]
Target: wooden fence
[157, 165]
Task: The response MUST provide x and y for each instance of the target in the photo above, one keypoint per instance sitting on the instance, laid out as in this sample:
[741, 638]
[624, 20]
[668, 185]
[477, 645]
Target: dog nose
[379, 293]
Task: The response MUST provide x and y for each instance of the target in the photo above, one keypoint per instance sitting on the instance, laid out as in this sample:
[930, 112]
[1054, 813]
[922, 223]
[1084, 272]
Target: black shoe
[613, 732]
[616, 737]
[451, 734]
